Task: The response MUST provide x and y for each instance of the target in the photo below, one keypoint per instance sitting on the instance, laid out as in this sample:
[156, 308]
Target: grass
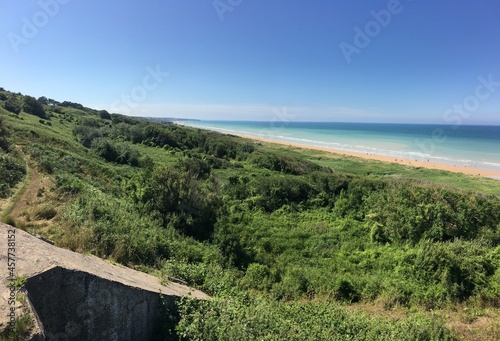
[21, 329]
[19, 282]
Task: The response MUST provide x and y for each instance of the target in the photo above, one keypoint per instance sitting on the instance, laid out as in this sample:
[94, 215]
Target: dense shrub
[195, 167]
[12, 104]
[258, 319]
[119, 152]
[33, 107]
[452, 272]
[53, 160]
[11, 172]
[4, 143]
[179, 201]
[287, 165]
[271, 193]
[411, 212]
[86, 134]
[103, 114]
[69, 184]
[72, 105]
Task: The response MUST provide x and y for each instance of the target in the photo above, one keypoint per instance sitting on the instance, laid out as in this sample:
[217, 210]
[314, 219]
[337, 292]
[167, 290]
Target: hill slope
[290, 243]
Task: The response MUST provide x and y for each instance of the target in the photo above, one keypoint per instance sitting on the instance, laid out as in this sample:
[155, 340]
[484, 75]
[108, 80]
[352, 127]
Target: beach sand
[413, 163]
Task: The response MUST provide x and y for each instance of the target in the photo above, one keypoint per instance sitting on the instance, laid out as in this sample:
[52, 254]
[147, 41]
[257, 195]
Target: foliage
[22, 326]
[54, 160]
[18, 282]
[33, 107]
[12, 104]
[86, 133]
[118, 152]
[258, 319]
[69, 104]
[287, 165]
[43, 100]
[12, 171]
[103, 114]
[179, 200]
[407, 212]
[4, 143]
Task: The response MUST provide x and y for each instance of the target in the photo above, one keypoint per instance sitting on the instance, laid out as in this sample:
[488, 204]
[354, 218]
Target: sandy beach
[413, 163]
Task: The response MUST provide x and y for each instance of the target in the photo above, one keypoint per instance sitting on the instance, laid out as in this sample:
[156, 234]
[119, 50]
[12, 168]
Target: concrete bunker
[72, 304]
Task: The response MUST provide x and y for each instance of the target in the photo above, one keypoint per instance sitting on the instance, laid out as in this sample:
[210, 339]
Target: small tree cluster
[12, 104]
[33, 107]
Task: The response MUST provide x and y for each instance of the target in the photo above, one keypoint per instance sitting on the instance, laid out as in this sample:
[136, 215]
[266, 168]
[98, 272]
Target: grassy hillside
[292, 244]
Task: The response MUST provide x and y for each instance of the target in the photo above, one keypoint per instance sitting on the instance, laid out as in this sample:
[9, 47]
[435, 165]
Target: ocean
[464, 145]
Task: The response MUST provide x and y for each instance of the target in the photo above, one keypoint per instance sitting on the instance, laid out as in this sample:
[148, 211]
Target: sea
[459, 145]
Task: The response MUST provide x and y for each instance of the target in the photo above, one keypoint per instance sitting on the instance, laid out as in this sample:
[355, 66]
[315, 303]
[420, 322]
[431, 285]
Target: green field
[290, 243]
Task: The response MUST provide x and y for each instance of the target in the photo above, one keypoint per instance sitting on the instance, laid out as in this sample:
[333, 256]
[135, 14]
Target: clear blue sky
[255, 59]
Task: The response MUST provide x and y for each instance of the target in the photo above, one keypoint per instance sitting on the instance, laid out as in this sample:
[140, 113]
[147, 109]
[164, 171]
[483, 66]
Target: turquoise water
[470, 146]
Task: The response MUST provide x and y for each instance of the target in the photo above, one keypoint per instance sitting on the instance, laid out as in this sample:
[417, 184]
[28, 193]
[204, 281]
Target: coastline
[412, 163]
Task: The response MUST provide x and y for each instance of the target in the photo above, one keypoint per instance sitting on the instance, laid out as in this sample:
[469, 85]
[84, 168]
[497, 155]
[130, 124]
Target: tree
[12, 104]
[43, 100]
[69, 104]
[53, 102]
[104, 148]
[86, 134]
[33, 107]
[105, 115]
[178, 199]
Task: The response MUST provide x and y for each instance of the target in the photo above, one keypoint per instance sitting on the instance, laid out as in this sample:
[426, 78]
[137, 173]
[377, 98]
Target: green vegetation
[20, 331]
[18, 283]
[12, 170]
[291, 244]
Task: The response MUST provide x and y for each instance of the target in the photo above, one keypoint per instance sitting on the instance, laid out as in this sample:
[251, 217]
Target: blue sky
[419, 61]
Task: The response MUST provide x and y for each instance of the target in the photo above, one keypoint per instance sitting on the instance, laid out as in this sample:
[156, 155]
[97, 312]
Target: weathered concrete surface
[92, 308]
[74, 293]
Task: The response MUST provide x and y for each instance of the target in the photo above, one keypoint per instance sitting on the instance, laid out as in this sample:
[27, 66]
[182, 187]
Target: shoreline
[412, 163]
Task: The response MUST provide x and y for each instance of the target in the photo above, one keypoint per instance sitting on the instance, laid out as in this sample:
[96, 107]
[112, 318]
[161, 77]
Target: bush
[86, 134]
[411, 212]
[33, 107]
[69, 184]
[452, 272]
[242, 318]
[103, 114]
[120, 152]
[12, 171]
[271, 193]
[179, 201]
[256, 277]
[196, 167]
[287, 164]
[72, 105]
[13, 104]
[51, 160]
[10, 221]
[104, 148]
[345, 291]
[4, 143]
